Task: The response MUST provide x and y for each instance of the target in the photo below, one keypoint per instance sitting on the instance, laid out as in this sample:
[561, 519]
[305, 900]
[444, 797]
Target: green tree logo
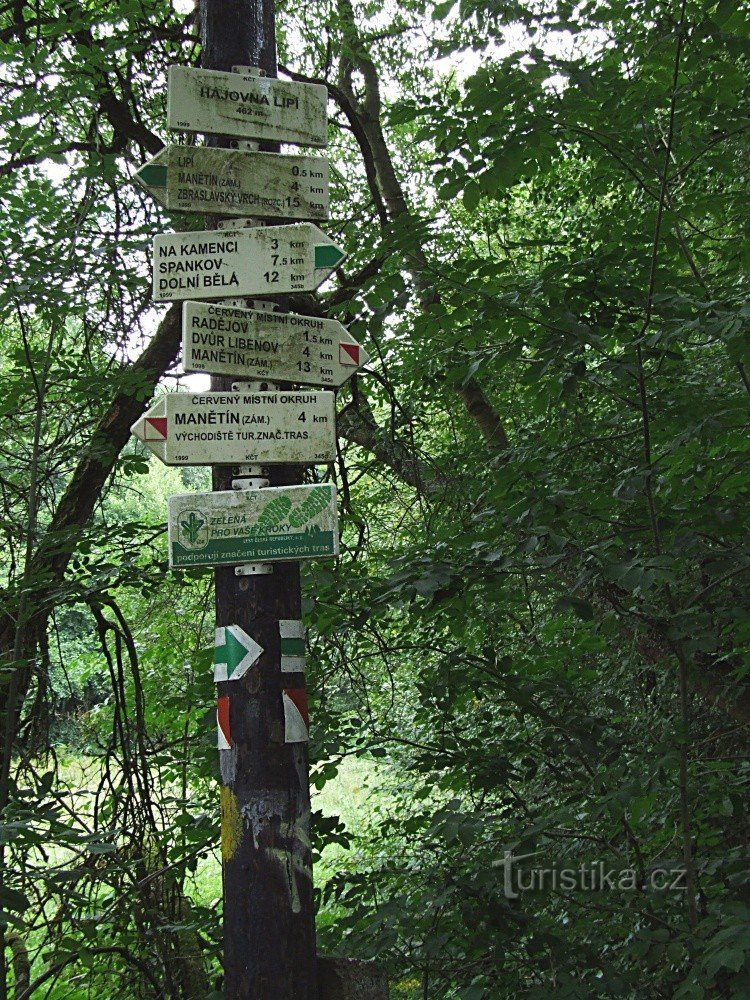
[191, 529]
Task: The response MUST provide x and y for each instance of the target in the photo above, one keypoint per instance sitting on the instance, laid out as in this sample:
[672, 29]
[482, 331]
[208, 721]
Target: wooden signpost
[242, 262]
[230, 428]
[249, 107]
[258, 522]
[248, 526]
[237, 182]
[248, 343]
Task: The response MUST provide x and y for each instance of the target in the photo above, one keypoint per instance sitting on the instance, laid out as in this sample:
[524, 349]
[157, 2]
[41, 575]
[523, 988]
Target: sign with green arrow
[234, 653]
[237, 182]
[270, 260]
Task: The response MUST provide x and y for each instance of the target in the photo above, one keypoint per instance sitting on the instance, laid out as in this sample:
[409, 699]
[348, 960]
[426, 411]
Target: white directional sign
[248, 107]
[224, 340]
[237, 182]
[229, 428]
[267, 260]
[267, 525]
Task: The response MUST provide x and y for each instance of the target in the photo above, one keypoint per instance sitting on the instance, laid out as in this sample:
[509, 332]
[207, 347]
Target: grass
[353, 795]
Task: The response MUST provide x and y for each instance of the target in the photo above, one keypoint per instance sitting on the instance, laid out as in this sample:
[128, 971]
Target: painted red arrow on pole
[296, 716]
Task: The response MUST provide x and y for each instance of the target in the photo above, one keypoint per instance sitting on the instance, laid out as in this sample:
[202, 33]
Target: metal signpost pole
[269, 930]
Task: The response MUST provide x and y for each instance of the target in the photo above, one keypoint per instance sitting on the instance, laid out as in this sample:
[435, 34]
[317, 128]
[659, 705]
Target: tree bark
[50, 561]
[269, 910]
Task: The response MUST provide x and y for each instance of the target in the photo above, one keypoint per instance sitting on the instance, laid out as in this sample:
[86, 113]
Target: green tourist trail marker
[292, 635]
[267, 525]
[237, 182]
[247, 107]
[234, 653]
[232, 263]
[152, 177]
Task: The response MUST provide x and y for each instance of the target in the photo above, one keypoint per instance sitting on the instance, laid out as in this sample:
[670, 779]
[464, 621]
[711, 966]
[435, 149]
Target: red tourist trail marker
[230, 428]
[284, 347]
[296, 716]
[222, 721]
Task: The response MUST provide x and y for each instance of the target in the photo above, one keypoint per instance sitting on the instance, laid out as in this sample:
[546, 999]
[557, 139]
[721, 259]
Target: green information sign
[267, 525]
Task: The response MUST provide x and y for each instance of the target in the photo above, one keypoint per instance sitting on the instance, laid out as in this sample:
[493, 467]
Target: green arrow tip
[327, 255]
[153, 176]
[235, 650]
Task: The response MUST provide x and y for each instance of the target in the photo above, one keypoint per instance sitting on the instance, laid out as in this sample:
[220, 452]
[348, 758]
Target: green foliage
[544, 646]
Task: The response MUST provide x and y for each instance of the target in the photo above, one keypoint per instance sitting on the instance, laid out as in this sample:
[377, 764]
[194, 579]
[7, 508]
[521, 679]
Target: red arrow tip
[155, 429]
[348, 354]
[222, 717]
[299, 697]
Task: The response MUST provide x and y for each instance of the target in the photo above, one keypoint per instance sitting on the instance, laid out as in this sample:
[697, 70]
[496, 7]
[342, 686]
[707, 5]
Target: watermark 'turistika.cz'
[587, 877]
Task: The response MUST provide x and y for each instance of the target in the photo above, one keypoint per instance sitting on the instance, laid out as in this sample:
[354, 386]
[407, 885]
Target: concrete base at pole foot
[350, 979]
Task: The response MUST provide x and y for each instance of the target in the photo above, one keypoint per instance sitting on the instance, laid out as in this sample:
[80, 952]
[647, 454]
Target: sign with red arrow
[230, 428]
[284, 347]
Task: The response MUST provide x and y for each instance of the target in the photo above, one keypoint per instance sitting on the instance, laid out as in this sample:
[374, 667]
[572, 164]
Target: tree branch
[364, 118]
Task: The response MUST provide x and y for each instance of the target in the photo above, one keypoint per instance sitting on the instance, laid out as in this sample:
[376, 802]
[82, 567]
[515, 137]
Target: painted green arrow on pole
[234, 653]
[292, 634]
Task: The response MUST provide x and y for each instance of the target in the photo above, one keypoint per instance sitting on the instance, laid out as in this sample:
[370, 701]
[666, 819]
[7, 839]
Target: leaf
[13, 900]
[441, 10]
[101, 847]
[583, 609]
[471, 196]
[727, 958]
